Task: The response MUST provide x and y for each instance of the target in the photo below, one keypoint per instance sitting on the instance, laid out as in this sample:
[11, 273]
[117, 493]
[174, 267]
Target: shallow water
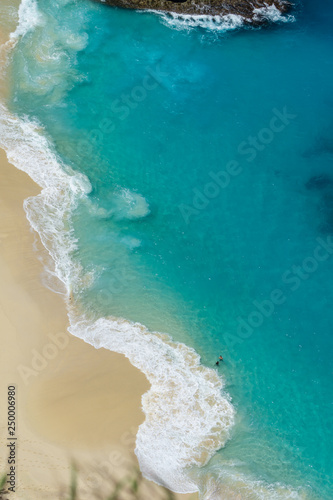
[209, 216]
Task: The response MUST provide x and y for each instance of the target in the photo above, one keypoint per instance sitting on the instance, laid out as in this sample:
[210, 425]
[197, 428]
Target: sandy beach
[74, 403]
[165, 193]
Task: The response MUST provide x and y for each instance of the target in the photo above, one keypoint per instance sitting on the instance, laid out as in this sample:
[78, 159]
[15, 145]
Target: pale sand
[76, 402]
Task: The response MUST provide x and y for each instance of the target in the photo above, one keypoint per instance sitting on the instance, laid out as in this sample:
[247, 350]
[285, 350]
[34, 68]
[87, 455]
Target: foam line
[188, 416]
[218, 23]
[189, 21]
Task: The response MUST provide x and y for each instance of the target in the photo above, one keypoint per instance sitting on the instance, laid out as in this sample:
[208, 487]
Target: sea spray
[272, 14]
[204, 21]
[29, 16]
[220, 23]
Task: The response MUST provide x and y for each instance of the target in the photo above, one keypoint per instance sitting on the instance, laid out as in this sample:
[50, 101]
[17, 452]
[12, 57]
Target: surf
[188, 417]
[189, 414]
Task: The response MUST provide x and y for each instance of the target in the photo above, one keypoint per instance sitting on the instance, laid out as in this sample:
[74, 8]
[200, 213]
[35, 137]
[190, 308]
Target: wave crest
[220, 23]
[188, 21]
[271, 13]
[187, 417]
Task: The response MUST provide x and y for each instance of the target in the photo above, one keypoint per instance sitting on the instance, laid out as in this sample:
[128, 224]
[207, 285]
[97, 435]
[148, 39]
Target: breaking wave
[188, 416]
[218, 23]
[272, 14]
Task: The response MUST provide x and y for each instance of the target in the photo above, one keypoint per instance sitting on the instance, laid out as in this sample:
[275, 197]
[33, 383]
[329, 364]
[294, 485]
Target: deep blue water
[209, 156]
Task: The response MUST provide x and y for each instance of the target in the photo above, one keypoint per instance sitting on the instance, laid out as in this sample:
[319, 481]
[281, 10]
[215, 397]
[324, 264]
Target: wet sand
[74, 402]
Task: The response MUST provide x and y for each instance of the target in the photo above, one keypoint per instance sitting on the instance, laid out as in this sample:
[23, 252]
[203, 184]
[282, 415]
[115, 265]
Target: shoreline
[252, 13]
[74, 402]
[167, 398]
[62, 381]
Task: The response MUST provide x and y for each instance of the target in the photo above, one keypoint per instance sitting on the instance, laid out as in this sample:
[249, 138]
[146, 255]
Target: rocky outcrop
[244, 8]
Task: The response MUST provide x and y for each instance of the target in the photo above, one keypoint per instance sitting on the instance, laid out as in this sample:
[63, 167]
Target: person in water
[220, 359]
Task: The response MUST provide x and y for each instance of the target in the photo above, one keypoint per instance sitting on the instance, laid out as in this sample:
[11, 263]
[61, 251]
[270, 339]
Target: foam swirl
[187, 416]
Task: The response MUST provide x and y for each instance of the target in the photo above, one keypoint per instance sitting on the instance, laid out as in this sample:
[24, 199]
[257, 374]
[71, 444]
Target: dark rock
[319, 182]
[242, 8]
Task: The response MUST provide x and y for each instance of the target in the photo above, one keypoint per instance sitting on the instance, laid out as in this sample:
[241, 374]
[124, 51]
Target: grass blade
[3, 481]
[73, 486]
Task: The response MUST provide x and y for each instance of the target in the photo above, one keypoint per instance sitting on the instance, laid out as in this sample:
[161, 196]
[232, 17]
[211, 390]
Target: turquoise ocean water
[187, 180]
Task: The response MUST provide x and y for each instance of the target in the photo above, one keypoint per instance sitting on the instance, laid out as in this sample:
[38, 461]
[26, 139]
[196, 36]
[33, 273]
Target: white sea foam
[29, 18]
[124, 204]
[131, 205]
[188, 417]
[51, 68]
[232, 485]
[189, 21]
[272, 13]
[219, 23]
[48, 213]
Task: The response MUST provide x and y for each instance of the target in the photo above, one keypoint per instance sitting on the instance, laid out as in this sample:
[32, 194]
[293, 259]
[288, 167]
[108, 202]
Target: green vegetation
[3, 480]
[132, 487]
